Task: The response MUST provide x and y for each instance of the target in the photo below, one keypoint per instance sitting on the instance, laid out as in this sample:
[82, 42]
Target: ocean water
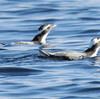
[25, 73]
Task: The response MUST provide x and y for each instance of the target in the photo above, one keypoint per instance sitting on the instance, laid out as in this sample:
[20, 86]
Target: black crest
[42, 27]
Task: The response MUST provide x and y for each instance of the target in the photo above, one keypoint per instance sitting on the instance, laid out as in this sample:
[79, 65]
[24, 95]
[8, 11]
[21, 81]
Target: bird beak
[54, 25]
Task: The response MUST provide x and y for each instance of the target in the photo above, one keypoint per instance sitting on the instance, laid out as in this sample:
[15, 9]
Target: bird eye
[48, 28]
[98, 38]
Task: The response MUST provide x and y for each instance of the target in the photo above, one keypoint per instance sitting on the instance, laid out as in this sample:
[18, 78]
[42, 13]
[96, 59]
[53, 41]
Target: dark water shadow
[16, 71]
[22, 58]
[2, 49]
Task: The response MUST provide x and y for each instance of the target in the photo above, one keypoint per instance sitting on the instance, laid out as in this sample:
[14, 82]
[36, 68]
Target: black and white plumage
[70, 55]
[41, 37]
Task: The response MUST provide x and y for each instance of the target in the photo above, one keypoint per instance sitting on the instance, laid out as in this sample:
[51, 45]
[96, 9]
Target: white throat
[95, 53]
[43, 39]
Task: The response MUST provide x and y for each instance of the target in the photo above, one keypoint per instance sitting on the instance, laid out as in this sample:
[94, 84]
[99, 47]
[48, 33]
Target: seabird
[39, 38]
[71, 55]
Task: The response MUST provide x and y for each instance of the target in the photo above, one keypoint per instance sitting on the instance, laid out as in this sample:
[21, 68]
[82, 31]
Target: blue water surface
[25, 73]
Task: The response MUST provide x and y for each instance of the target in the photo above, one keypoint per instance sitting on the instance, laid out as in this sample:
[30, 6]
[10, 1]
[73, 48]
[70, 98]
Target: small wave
[78, 97]
[2, 49]
[16, 71]
[89, 18]
[94, 82]
[49, 20]
[85, 90]
[31, 11]
[91, 31]
[22, 31]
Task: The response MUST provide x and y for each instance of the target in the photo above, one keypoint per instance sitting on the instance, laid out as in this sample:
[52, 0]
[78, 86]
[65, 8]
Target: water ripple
[25, 72]
[15, 71]
[89, 18]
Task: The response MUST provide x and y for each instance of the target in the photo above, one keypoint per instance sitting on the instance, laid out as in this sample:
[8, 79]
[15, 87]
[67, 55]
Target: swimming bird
[39, 38]
[71, 55]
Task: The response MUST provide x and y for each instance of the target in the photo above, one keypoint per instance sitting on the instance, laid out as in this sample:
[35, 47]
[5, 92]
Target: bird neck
[92, 51]
[41, 38]
[44, 35]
